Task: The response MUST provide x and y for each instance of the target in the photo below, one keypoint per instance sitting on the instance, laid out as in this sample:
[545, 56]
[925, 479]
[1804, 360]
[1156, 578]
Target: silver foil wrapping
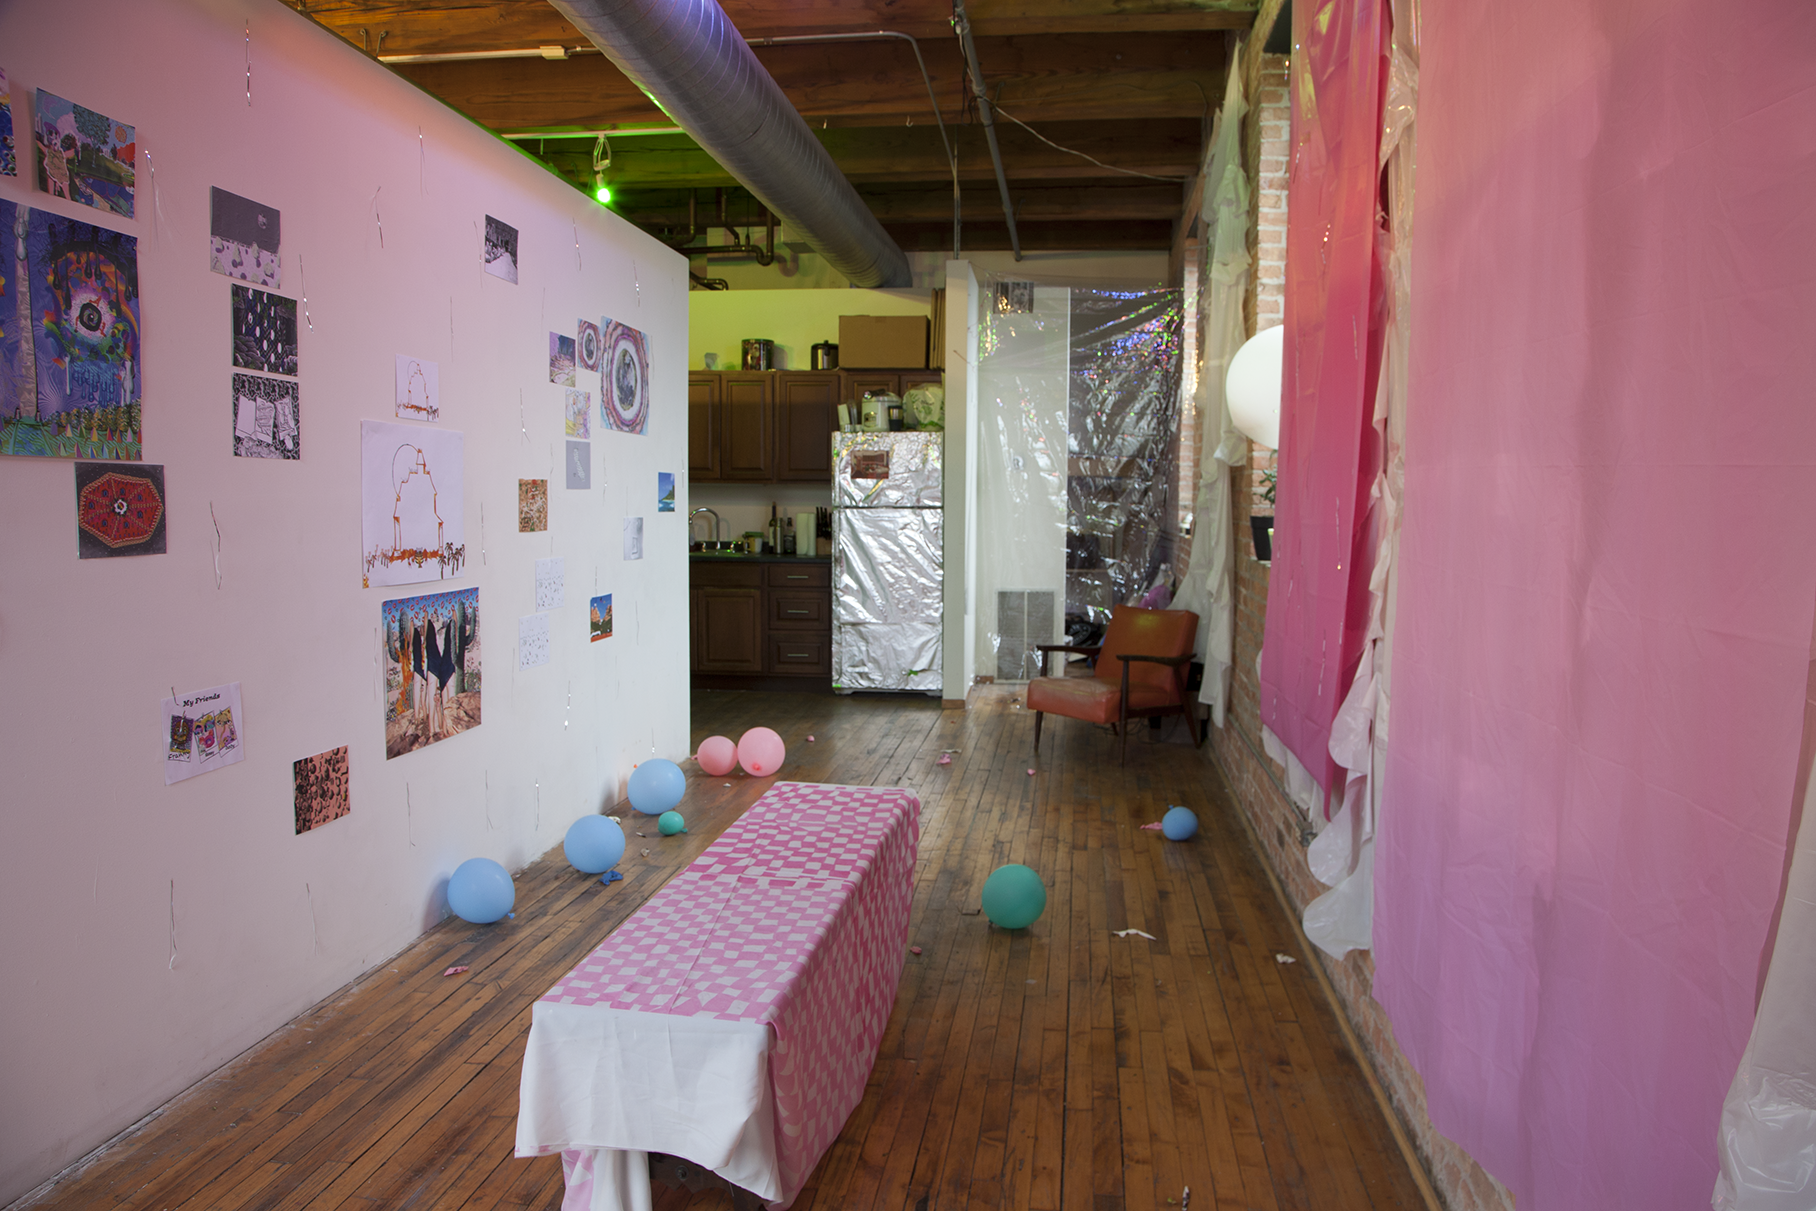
[912, 460]
[887, 585]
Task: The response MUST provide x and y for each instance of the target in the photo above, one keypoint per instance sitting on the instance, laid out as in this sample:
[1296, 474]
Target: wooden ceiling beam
[1034, 203]
[1074, 77]
[464, 26]
[985, 236]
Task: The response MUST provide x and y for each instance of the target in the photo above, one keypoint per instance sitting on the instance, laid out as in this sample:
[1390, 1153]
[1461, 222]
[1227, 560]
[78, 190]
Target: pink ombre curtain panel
[1317, 602]
[1607, 578]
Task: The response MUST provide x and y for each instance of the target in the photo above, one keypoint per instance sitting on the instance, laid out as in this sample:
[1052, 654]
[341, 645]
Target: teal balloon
[481, 891]
[1179, 823]
[670, 823]
[656, 786]
[1014, 897]
[593, 844]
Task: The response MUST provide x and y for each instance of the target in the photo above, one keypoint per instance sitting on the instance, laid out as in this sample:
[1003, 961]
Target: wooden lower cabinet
[761, 619]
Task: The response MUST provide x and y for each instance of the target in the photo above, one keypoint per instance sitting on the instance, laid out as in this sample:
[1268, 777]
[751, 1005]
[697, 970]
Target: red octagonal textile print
[119, 510]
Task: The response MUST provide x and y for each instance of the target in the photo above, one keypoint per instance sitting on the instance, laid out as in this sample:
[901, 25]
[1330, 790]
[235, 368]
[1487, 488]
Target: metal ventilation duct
[688, 58]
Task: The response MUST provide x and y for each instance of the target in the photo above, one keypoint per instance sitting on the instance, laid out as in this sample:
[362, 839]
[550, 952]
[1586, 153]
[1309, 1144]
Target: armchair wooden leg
[1037, 718]
[1191, 723]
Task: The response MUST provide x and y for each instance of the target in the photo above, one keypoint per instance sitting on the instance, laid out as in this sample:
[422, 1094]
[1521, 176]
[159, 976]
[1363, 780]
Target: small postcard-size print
[532, 640]
[501, 249]
[321, 788]
[633, 538]
[119, 510]
[599, 626]
[85, 156]
[561, 360]
[202, 732]
[243, 239]
[551, 583]
[665, 492]
[579, 465]
[418, 389]
[532, 506]
[579, 413]
[586, 346]
[267, 418]
[264, 331]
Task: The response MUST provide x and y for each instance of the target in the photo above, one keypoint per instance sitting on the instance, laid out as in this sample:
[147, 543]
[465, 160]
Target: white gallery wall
[152, 931]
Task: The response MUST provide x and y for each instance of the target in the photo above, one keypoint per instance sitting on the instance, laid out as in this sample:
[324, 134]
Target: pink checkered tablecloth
[795, 918]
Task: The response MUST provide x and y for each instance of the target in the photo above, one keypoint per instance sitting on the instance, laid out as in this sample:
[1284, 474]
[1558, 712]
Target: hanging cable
[1003, 113]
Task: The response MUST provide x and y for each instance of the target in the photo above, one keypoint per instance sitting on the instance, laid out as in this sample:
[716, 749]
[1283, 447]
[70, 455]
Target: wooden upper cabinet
[748, 411]
[806, 418]
[704, 427]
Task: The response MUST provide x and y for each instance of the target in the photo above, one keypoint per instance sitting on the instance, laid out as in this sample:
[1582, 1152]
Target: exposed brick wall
[1256, 781]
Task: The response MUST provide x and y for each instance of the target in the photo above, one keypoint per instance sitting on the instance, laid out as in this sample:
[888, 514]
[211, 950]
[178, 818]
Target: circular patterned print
[624, 394]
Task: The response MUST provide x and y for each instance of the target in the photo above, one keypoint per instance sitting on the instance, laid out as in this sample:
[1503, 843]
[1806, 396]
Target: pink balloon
[760, 752]
[717, 755]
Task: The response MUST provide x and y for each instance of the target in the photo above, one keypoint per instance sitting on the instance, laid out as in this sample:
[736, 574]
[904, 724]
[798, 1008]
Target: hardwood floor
[1062, 1066]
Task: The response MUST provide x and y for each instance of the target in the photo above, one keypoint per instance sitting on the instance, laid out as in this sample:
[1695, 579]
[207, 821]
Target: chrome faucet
[718, 524]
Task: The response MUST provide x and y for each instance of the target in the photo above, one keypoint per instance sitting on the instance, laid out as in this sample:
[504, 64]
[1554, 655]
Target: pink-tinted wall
[1607, 578]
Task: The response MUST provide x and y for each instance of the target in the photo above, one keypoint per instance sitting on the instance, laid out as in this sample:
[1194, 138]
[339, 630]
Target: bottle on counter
[788, 536]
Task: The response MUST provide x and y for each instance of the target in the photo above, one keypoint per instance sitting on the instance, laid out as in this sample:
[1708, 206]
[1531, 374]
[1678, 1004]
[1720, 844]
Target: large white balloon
[1252, 385]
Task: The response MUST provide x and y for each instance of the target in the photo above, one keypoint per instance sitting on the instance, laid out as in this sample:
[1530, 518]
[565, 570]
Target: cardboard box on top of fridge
[883, 342]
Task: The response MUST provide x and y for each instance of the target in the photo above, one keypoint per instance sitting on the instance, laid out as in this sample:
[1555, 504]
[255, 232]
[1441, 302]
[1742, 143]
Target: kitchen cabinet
[774, 426]
[757, 619]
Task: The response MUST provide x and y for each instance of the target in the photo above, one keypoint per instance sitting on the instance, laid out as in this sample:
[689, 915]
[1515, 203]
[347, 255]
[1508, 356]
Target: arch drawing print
[412, 520]
[418, 389]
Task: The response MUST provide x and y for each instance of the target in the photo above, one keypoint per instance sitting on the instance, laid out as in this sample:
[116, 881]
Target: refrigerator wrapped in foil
[887, 569]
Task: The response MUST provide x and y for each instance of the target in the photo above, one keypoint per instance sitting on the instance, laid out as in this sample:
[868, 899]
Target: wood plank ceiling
[1131, 84]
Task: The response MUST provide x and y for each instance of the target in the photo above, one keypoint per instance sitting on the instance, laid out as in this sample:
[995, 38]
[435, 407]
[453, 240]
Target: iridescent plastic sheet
[1078, 436]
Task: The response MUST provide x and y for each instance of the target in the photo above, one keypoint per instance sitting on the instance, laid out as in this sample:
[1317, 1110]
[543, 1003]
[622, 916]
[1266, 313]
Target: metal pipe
[962, 24]
[686, 56]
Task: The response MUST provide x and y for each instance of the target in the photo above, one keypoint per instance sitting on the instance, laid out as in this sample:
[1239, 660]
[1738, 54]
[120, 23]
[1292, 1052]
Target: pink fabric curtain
[1608, 570]
[1317, 603]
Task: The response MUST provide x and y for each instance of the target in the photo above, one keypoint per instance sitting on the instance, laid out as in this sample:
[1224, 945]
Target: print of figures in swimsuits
[431, 657]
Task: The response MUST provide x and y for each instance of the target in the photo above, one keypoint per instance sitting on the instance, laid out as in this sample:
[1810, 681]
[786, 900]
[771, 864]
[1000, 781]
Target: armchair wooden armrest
[1044, 648]
[1175, 661]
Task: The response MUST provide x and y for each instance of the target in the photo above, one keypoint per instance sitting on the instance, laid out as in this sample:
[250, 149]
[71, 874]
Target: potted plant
[1261, 525]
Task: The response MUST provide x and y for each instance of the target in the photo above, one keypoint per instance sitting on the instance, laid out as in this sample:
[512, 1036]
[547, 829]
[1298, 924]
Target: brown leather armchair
[1141, 672]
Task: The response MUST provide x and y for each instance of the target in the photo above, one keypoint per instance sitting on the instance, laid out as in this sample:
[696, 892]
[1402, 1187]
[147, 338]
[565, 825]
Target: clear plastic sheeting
[1078, 431]
[1768, 1123]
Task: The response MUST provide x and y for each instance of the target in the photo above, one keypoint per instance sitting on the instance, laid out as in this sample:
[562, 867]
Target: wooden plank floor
[1057, 1067]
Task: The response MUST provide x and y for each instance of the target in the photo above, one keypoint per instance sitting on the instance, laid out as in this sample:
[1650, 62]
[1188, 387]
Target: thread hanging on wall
[482, 533]
[378, 218]
[217, 544]
[173, 914]
[249, 65]
[570, 707]
[305, 280]
[489, 823]
[422, 164]
[578, 266]
[315, 929]
[159, 222]
[538, 785]
[409, 817]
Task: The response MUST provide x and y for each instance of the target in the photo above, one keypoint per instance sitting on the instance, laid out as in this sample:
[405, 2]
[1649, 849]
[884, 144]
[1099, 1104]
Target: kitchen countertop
[703, 557]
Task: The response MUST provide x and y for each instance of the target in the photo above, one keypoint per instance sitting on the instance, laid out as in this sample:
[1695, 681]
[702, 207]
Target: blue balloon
[1014, 897]
[656, 786]
[1179, 823]
[593, 844]
[481, 891]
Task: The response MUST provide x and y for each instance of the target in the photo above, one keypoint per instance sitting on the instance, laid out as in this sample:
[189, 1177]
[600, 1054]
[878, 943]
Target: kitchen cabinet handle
[793, 576]
[794, 611]
[799, 655]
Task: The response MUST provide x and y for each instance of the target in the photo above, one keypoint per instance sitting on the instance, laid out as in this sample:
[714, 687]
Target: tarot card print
[561, 360]
[432, 668]
[267, 418]
[586, 346]
[243, 239]
[579, 413]
[501, 249]
[82, 399]
[119, 510]
[532, 640]
[9, 160]
[412, 480]
[322, 787]
[202, 732]
[84, 156]
[532, 505]
[551, 583]
[264, 331]
[599, 626]
[579, 465]
[665, 492]
[624, 375]
[418, 389]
